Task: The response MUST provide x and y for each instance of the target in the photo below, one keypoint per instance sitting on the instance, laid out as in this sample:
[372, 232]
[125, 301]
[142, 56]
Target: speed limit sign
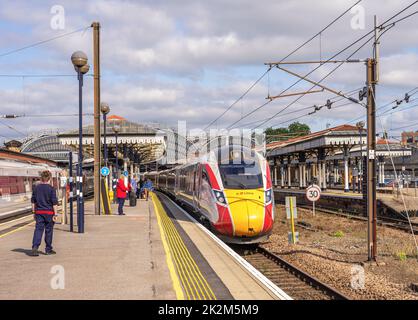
[313, 193]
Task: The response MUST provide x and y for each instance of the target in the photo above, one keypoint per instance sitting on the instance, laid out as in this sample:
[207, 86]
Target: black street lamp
[116, 129]
[104, 108]
[79, 60]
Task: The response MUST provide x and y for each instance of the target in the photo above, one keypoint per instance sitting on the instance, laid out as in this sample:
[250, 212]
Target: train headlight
[220, 197]
[268, 195]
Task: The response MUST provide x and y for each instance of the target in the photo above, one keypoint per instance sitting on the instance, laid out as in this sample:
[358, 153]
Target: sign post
[292, 214]
[105, 200]
[313, 193]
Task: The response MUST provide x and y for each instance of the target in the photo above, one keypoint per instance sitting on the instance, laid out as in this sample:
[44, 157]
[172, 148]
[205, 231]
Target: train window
[241, 176]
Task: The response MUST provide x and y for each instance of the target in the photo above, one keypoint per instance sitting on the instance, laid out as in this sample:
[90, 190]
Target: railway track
[28, 211]
[400, 224]
[295, 282]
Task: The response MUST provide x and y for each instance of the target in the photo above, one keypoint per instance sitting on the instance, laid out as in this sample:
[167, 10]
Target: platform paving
[118, 257]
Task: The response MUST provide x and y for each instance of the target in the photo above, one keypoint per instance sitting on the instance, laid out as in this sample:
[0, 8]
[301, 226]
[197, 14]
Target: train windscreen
[241, 176]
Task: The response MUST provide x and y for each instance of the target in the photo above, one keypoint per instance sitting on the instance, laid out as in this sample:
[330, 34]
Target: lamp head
[116, 128]
[360, 124]
[104, 108]
[79, 59]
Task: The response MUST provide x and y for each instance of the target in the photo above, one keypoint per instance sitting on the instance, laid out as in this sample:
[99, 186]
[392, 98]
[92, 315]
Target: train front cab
[244, 193]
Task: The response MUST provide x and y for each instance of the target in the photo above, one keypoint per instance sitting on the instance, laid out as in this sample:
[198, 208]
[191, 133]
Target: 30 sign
[313, 193]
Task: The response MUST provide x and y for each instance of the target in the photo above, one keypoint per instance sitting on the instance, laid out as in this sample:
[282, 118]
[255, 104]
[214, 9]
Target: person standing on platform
[121, 191]
[134, 186]
[140, 188]
[148, 187]
[44, 206]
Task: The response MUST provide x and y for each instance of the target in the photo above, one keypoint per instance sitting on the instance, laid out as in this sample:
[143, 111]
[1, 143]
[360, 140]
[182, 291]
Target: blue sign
[125, 173]
[105, 171]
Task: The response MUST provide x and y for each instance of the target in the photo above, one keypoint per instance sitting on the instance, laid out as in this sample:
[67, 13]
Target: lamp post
[104, 108]
[360, 125]
[79, 60]
[116, 129]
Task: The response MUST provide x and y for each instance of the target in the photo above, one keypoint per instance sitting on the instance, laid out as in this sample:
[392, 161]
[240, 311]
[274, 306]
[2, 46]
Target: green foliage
[401, 256]
[338, 234]
[295, 129]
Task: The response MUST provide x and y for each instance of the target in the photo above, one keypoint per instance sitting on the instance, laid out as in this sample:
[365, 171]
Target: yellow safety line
[185, 263]
[191, 264]
[180, 262]
[202, 280]
[181, 266]
[174, 278]
[15, 230]
[196, 269]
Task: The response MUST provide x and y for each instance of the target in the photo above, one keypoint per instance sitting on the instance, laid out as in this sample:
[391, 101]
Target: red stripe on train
[268, 211]
[268, 218]
[224, 223]
[268, 176]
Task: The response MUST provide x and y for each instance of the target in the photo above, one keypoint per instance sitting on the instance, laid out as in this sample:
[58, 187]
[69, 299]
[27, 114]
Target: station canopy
[334, 141]
[145, 141]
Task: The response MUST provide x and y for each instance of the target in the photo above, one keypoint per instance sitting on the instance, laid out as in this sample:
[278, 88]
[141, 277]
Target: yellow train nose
[247, 211]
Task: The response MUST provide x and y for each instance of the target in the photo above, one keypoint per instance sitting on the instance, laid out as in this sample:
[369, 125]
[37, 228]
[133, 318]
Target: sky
[189, 60]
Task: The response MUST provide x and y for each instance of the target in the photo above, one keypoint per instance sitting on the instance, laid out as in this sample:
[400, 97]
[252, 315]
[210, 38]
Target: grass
[338, 234]
[401, 256]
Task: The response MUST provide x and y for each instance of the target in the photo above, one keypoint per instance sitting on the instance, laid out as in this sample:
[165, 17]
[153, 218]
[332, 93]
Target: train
[18, 177]
[231, 192]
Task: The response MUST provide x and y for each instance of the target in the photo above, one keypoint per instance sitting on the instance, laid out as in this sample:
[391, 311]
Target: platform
[118, 257]
[10, 208]
[154, 252]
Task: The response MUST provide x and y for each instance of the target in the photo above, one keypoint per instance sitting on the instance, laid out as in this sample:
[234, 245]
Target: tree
[293, 130]
[299, 128]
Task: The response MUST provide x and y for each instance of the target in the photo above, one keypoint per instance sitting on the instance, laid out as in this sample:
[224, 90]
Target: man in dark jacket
[44, 206]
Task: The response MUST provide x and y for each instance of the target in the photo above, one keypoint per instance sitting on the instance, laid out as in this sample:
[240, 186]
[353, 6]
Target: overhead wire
[336, 97]
[313, 86]
[396, 179]
[42, 42]
[287, 56]
[381, 26]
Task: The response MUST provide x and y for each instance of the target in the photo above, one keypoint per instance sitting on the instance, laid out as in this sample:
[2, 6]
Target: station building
[330, 158]
[137, 146]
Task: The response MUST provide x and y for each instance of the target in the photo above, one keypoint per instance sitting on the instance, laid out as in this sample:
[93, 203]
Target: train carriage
[232, 192]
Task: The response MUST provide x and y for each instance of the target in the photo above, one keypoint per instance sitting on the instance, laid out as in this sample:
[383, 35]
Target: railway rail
[28, 211]
[401, 224]
[294, 281]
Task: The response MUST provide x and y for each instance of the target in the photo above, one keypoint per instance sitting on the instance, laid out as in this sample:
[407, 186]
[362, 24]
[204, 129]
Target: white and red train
[19, 174]
[232, 193]
[18, 177]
